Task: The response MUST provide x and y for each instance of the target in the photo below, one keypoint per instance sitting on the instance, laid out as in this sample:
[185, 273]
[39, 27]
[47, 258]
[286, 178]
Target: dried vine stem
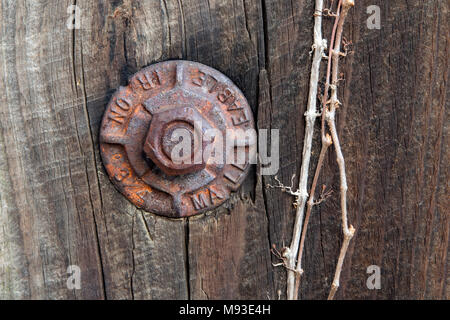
[311, 114]
[328, 115]
[326, 142]
[330, 118]
[292, 256]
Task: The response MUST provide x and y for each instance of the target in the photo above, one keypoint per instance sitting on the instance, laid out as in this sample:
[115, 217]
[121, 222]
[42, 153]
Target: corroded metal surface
[135, 137]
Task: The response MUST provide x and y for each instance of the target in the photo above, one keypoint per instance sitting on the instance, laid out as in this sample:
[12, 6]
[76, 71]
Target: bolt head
[165, 143]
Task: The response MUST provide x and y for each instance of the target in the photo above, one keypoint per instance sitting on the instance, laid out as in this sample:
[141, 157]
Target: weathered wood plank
[285, 92]
[228, 253]
[143, 255]
[47, 214]
[58, 207]
[395, 133]
[394, 141]
[229, 249]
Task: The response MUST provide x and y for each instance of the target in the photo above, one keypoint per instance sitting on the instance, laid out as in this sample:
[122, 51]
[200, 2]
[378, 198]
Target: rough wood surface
[58, 207]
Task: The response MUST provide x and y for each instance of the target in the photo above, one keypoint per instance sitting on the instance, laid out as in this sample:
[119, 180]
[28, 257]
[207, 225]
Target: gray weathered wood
[58, 207]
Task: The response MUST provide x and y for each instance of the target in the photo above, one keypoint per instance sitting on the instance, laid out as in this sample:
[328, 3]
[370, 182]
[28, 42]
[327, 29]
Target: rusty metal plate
[135, 142]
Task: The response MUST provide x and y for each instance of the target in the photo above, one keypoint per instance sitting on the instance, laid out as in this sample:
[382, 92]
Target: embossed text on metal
[136, 137]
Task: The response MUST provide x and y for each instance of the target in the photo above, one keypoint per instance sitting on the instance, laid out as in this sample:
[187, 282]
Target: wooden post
[58, 207]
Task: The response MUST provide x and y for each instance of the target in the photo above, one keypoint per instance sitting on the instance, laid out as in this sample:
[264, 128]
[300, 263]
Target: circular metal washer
[134, 152]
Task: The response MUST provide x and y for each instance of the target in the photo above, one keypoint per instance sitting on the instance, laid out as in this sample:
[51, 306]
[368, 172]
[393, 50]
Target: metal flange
[136, 137]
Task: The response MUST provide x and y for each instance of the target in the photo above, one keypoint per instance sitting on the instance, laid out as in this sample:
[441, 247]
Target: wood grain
[58, 207]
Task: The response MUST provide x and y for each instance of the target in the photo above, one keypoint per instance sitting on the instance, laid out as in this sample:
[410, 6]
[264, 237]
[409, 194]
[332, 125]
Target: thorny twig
[283, 256]
[324, 194]
[286, 189]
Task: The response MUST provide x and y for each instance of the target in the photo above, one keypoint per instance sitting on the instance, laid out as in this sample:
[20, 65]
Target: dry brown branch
[323, 151]
[311, 115]
[291, 256]
[326, 142]
[327, 82]
[328, 115]
[330, 118]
